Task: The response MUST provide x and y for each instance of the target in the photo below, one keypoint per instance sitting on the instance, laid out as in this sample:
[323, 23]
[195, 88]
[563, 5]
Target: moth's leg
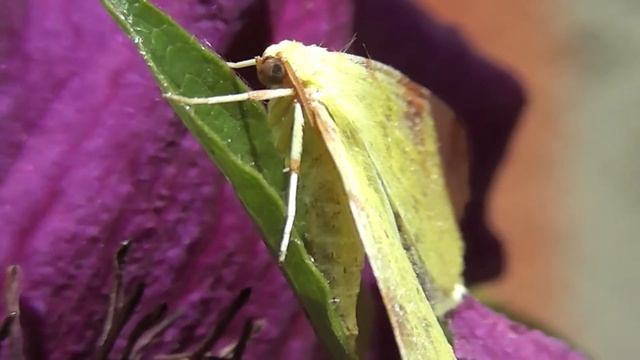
[242, 64]
[294, 168]
[256, 95]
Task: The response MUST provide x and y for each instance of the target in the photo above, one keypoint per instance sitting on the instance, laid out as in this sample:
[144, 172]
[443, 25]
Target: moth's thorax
[307, 61]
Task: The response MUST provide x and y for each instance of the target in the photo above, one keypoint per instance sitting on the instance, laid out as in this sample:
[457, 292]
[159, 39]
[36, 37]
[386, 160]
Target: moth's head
[271, 71]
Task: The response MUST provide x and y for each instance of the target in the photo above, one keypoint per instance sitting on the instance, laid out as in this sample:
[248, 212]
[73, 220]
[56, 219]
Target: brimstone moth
[360, 138]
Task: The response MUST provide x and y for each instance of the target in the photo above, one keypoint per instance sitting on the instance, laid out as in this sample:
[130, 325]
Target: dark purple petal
[90, 155]
[486, 98]
[479, 333]
[322, 22]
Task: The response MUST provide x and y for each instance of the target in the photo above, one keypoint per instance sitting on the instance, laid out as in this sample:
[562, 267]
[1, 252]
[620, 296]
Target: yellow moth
[365, 170]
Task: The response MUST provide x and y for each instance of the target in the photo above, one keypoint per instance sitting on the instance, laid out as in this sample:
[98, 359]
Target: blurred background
[566, 200]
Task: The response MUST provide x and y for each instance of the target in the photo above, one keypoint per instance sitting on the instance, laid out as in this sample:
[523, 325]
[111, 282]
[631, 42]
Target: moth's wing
[396, 126]
[415, 325]
[323, 218]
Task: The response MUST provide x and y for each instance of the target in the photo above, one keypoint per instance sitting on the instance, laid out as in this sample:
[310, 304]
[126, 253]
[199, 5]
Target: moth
[366, 167]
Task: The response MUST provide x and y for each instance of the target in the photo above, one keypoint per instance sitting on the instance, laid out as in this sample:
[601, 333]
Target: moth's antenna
[366, 51]
[350, 43]
[294, 167]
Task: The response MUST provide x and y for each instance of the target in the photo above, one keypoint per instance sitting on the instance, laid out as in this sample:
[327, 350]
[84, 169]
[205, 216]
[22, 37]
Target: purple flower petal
[482, 334]
[322, 22]
[90, 156]
[487, 99]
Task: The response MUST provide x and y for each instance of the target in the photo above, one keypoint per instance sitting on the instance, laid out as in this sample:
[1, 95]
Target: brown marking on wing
[454, 151]
[325, 131]
[301, 95]
[417, 97]
[418, 108]
[452, 142]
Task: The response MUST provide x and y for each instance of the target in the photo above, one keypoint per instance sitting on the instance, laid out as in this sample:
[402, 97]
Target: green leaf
[237, 139]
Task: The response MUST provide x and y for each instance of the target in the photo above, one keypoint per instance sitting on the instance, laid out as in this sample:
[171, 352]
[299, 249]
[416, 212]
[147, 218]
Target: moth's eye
[271, 71]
